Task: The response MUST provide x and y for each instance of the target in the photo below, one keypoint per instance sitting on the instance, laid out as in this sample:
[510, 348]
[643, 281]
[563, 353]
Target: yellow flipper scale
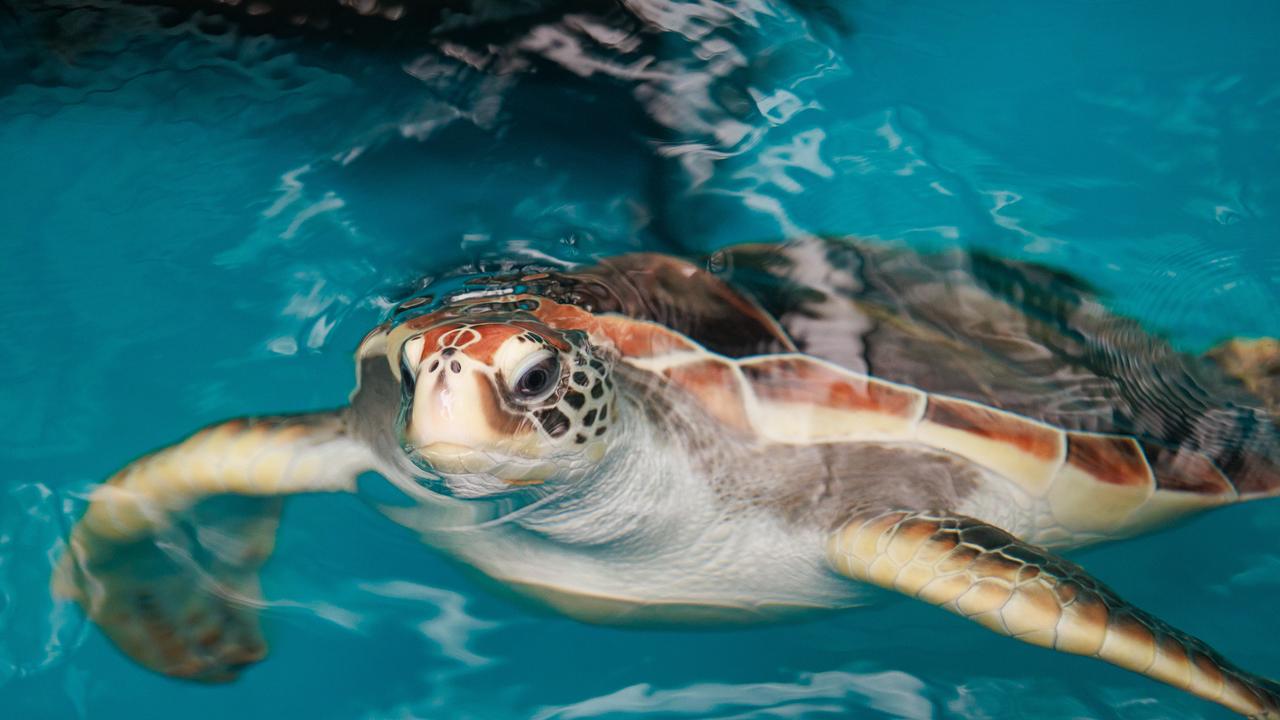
[986, 575]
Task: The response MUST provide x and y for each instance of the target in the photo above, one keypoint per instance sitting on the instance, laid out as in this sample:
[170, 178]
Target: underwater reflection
[691, 91]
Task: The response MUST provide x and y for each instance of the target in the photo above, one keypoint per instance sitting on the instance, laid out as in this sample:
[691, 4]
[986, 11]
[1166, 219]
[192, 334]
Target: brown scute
[1026, 435]
[801, 380]
[1131, 629]
[631, 338]
[690, 300]
[1027, 573]
[1185, 470]
[1250, 472]
[714, 385]
[1108, 458]
[1207, 667]
[1174, 654]
[916, 531]
[958, 560]
[636, 339]
[997, 566]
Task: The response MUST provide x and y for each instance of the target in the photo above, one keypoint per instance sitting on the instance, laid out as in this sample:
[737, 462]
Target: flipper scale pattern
[986, 575]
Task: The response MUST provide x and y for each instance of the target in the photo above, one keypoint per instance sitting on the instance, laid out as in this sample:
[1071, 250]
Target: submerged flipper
[187, 608]
[986, 575]
[1256, 364]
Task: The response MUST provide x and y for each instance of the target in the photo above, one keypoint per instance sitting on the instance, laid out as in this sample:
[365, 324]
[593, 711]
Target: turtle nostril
[455, 366]
[434, 366]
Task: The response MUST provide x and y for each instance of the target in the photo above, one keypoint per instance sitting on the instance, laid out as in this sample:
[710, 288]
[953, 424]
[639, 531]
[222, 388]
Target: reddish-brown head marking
[480, 341]
[628, 337]
[512, 398]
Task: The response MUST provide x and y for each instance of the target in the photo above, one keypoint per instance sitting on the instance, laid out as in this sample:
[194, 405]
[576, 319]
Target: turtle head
[493, 404]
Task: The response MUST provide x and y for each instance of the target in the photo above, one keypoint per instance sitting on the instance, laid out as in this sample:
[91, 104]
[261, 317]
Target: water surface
[201, 221]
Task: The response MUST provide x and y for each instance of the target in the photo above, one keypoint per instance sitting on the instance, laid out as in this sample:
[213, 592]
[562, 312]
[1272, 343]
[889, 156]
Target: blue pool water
[198, 222]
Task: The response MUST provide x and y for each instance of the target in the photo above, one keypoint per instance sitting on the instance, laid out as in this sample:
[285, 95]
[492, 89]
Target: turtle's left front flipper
[986, 575]
[184, 608]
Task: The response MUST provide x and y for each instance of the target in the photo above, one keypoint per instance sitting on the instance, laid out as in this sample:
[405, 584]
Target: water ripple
[893, 693]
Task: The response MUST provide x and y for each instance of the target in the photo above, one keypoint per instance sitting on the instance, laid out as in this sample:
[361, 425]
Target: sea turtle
[770, 430]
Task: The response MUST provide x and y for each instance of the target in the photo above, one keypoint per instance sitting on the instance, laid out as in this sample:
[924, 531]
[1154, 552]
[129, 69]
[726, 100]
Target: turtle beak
[456, 422]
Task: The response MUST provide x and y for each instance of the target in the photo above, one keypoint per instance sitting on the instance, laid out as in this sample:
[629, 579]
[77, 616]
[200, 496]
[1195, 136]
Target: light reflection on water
[202, 221]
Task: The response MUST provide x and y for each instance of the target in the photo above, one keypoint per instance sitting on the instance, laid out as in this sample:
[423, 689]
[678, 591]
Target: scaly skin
[986, 575]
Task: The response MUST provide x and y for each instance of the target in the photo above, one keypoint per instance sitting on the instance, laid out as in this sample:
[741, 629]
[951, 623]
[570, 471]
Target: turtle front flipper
[986, 575]
[184, 603]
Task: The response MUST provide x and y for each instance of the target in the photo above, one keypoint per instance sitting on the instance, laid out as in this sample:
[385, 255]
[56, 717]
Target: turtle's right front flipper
[983, 573]
[190, 612]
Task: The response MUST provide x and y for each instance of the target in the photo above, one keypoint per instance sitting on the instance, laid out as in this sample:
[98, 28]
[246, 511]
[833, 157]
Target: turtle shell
[1013, 336]
[1013, 366]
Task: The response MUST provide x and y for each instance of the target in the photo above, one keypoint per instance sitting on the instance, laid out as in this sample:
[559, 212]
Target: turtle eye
[536, 377]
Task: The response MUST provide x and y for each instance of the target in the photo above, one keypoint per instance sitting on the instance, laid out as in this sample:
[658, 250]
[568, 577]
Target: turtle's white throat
[642, 493]
[469, 473]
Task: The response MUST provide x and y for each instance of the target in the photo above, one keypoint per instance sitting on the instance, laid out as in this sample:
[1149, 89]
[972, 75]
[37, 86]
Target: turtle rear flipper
[986, 575]
[1256, 364]
[184, 603]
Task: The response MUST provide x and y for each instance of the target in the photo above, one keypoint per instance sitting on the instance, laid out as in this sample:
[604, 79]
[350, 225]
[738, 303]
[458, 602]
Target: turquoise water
[200, 223]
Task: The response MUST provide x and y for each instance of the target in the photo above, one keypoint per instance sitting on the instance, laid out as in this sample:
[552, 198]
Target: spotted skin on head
[514, 399]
